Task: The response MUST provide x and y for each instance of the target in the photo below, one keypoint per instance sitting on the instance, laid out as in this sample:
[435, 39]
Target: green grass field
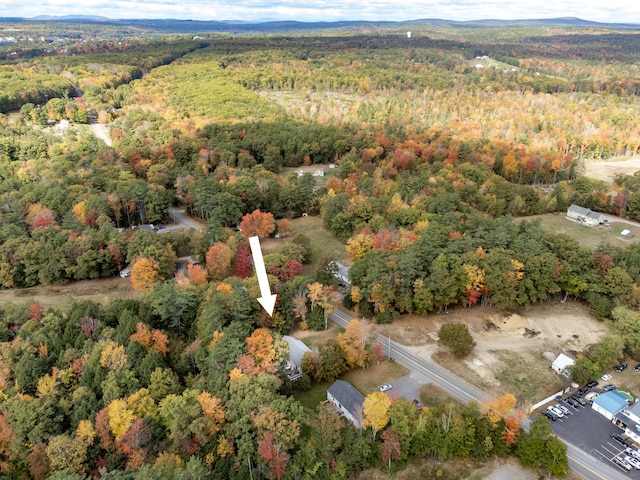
[366, 380]
[587, 236]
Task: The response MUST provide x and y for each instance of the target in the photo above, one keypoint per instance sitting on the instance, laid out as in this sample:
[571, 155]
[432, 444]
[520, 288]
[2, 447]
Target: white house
[561, 363]
[347, 401]
[297, 349]
[585, 216]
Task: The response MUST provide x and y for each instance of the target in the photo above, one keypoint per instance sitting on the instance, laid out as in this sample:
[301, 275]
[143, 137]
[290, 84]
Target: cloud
[331, 10]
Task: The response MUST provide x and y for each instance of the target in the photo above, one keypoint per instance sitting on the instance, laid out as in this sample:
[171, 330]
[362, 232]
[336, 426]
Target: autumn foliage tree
[376, 411]
[258, 224]
[390, 447]
[219, 258]
[145, 273]
[354, 341]
[272, 453]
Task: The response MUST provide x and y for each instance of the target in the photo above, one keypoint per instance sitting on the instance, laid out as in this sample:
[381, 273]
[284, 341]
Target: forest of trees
[433, 157]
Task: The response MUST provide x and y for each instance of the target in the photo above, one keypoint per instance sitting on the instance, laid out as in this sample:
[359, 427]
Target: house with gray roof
[297, 349]
[347, 401]
[585, 216]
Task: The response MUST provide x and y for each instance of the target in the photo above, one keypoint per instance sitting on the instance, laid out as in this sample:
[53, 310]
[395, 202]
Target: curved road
[581, 462]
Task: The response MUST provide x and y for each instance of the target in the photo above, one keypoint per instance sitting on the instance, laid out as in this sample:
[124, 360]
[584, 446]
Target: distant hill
[65, 18]
[193, 26]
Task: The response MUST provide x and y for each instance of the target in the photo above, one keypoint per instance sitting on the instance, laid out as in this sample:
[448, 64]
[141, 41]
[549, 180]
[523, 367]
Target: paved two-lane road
[425, 371]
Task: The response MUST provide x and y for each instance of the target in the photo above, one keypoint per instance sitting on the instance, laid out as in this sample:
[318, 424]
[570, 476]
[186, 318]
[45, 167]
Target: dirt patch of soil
[509, 354]
[99, 290]
[607, 169]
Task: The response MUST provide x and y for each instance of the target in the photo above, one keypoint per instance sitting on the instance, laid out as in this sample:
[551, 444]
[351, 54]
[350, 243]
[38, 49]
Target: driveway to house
[424, 371]
[101, 131]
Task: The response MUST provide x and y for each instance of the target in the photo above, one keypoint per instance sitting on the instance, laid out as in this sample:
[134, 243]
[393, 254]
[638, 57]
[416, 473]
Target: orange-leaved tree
[354, 342]
[219, 258]
[258, 224]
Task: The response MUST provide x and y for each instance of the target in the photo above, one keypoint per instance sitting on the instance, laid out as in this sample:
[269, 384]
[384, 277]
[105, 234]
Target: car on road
[592, 384]
[418, 404]
[384, 388]
[125, 272]
[622, 367]
[636, 368]
[608, 388]
[606, 377]
[562, 408]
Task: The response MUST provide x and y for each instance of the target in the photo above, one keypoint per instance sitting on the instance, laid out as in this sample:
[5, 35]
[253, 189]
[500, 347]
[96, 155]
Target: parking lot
[590, 431]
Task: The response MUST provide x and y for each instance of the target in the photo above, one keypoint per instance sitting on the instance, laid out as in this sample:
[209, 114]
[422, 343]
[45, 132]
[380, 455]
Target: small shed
[561, 363]
[609, 404]
[347, 401]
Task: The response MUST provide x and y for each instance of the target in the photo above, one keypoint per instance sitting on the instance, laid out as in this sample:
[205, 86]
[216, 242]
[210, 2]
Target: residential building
[347, 401]
[297, 349]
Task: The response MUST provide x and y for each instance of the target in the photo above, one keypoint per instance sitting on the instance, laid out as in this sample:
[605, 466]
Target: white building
[561, 364]
[347, 401]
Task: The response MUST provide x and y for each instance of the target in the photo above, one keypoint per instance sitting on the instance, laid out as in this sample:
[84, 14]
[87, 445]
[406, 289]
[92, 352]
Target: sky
[620, 11]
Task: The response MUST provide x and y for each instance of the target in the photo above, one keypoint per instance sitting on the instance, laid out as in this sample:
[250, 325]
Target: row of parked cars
[629, 458]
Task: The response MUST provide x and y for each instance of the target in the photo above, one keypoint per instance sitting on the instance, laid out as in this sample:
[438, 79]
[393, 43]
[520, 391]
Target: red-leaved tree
[273, 455]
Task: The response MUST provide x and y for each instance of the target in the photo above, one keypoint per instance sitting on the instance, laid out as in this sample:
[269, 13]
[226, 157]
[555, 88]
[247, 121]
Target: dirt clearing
[99, 291]
[607, 169]
[509, 355]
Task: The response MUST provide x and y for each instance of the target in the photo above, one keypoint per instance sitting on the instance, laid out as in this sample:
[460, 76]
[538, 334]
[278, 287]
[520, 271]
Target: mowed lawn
[587, 236]
[366, 380]
[322, 241]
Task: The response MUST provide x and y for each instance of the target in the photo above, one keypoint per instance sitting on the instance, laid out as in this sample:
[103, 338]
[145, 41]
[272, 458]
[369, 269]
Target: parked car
[385, 387]
[580, 400]
[418, 404]
[621, 462]
[573, 402]
[633, 451]
[125, 272]
[549, 414]
[621, 439]
[608, 388]
[592, 384]
[606, 377]
[562, 408]
[633, 461]
[557, 411]
[637, 368]
[621, 367]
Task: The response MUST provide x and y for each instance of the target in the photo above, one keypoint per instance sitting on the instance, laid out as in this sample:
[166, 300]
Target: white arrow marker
[267, 300]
